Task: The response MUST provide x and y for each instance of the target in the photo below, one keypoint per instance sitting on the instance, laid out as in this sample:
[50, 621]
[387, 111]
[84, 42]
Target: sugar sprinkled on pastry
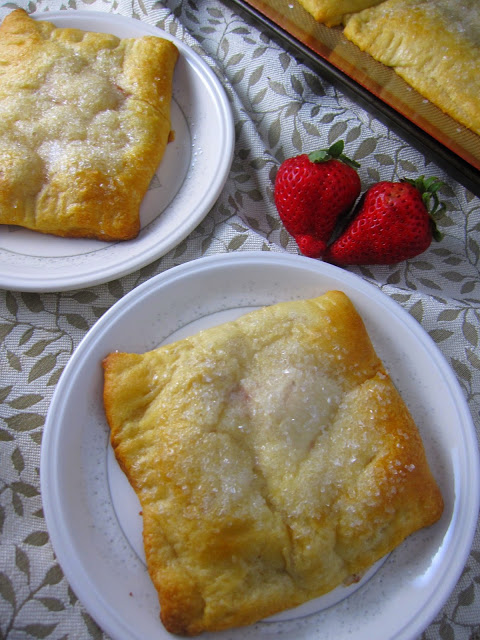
[84, 123]
[273, 458]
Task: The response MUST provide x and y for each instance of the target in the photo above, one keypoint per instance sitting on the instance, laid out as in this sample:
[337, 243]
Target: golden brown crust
[432, 44]
[84, 123]
[332, 12]
[273, 458]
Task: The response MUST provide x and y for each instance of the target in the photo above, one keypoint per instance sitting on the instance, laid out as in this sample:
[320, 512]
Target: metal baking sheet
[378, 88]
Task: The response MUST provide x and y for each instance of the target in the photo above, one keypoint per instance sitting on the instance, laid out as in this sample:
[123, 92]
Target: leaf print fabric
[281, 107]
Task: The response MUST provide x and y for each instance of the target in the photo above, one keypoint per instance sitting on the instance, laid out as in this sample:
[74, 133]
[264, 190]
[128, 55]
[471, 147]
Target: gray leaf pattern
[281, 107]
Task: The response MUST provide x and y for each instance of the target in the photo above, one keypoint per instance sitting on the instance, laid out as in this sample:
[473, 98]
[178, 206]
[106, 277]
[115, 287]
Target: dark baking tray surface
[377, 87]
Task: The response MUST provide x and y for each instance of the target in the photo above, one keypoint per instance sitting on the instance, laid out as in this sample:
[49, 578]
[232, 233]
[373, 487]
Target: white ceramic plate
[92, 514]
[185, 187]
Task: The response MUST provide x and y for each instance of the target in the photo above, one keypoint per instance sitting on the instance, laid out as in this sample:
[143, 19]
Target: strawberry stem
[334, 152]
[428, 188]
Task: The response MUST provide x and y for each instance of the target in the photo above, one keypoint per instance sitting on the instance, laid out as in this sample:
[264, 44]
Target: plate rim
[449, 576]
[143, 256]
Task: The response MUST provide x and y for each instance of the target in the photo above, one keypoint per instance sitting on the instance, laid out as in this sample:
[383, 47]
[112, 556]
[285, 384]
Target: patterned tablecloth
[280, 107]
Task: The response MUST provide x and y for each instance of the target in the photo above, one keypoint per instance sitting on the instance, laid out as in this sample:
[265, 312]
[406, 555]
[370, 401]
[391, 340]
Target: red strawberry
[312, 191]
[394, 222]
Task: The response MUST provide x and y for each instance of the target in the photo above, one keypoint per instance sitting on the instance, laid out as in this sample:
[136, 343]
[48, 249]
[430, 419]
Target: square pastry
[84, 123]
[273, 458]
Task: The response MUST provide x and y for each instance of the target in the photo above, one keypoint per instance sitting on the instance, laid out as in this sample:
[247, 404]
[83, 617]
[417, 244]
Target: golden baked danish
[332, 12]
[84, 123]
[273, 459]
[432, 44]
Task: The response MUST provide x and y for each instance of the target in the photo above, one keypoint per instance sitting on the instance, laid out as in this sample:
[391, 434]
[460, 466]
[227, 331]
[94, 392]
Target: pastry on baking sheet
[273, 458]
[332, 12]
[84, 123]
[432, 44]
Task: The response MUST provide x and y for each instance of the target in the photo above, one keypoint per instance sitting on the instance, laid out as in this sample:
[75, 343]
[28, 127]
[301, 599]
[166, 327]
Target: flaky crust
[432, 44]
[84, 123]
[332, 12]
[273, 459]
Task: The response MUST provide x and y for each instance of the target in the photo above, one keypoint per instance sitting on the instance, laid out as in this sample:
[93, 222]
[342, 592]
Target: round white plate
[187, 183]
[92, 514]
